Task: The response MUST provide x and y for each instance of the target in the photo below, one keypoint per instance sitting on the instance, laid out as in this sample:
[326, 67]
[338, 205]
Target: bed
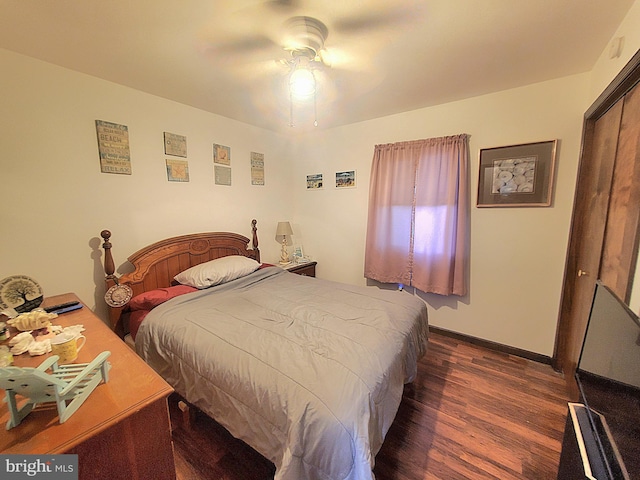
[308, 372]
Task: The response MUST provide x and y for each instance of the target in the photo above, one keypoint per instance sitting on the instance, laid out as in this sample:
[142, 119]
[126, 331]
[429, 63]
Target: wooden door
[619, 256]
[604, 228]
[587, 233]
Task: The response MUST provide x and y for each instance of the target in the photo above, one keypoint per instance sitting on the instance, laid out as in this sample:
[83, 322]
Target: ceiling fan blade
[373, 21]
[269, 9]
[283, 5]
[338, 59]
[248, 44]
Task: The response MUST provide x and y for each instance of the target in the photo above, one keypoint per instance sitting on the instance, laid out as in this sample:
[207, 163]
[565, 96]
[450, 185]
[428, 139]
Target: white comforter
[308, 372]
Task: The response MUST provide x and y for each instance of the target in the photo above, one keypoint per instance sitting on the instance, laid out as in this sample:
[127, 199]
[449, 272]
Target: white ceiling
[389, 56]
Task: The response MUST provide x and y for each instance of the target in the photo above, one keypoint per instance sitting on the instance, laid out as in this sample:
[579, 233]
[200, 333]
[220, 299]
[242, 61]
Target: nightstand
[307, 269]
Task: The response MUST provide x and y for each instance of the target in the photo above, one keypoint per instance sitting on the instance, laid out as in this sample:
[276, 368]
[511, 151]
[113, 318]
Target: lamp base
[284, 255]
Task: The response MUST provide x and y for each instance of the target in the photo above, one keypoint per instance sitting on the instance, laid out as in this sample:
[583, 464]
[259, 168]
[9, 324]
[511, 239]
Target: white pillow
[217, 271]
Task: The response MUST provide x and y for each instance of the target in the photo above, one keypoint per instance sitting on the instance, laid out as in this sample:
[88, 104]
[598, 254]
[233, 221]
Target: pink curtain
[418, 226]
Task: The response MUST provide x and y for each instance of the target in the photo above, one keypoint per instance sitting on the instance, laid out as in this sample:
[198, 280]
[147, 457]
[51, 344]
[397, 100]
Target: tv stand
[588, 451]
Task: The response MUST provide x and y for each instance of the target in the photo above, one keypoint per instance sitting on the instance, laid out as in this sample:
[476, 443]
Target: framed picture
[175, 144]
[257, 168]
[346, 179]
[177, 170]
[517, 175]
[314, 182]
[221, 154]
[222, 175]
[298, 253]
[113, 147]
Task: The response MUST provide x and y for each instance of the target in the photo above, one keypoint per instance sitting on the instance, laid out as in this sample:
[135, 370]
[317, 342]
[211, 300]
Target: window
[417, 231]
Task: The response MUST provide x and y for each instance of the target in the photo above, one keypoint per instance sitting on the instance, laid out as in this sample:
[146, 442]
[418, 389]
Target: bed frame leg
[188, 414]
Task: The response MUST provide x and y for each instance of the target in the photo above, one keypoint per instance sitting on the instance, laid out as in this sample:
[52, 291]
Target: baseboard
[536, 357]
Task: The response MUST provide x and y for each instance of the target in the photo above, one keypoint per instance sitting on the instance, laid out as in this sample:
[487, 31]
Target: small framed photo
[346, 179]
[314, 182]
[517, 175]
[298, 253]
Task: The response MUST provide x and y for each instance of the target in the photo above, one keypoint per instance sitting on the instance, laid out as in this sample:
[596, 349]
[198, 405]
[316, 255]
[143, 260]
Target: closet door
[603, 242]
[619, 255]
[587, 234]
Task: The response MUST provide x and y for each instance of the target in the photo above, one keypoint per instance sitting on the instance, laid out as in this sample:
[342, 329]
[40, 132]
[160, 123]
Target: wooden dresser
[121, 431]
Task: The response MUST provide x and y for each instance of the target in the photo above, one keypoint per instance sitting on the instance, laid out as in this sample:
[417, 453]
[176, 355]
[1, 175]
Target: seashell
[508, 188]
[33, 320]
[505, 176]
[519, 179]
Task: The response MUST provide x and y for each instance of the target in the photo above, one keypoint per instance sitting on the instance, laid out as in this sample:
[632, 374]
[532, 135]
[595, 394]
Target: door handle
[582, 273]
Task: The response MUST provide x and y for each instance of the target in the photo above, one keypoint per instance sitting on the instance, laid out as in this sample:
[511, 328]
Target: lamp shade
[284, 228]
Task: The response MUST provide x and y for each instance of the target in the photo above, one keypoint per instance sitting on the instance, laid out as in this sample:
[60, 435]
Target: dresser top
[132, 385]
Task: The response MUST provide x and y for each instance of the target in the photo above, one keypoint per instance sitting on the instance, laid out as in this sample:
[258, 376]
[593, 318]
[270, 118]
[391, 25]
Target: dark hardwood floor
[472, 413]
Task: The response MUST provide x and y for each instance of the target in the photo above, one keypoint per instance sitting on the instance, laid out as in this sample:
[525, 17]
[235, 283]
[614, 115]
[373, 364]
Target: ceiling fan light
[302, 83]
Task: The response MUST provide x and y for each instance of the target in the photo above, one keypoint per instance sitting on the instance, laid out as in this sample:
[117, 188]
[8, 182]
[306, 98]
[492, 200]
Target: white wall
[517, 254]
[56, 201]
[606, 68]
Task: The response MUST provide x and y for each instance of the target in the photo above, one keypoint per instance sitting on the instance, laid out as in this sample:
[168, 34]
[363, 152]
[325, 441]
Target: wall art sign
[175, 145]
[113, 147]
[222, 175]
[314, 182]
[221, 154]
[517, 175]
[177, 170]
[257, 168]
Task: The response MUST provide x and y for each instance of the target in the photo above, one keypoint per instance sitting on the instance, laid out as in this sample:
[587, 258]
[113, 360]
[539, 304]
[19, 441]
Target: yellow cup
[66, 347]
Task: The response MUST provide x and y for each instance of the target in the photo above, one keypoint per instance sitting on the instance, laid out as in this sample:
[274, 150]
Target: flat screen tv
[608, 376]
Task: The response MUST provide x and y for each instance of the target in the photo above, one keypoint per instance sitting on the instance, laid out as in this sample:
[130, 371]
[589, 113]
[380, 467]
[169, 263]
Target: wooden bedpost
[110, 281]
[254, 241]
[109, 265]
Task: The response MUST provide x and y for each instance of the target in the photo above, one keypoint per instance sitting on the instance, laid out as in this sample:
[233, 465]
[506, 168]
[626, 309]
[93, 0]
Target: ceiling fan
[304, 40]
[287, 38]
[257, 30]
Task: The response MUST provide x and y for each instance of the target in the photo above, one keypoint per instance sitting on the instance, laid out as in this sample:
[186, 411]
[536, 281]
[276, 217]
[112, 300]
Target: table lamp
[284, 230]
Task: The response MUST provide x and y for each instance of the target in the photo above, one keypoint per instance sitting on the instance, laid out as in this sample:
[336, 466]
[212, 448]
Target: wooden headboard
[157, 264]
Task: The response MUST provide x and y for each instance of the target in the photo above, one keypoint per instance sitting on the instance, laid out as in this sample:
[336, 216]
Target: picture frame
[177, 170]
[175, 145]
[257, 168]
[222, 175]
[314, 181]
[298, 253]
[221, 154]
[346, 179]
[517, 175]
[113, 147]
